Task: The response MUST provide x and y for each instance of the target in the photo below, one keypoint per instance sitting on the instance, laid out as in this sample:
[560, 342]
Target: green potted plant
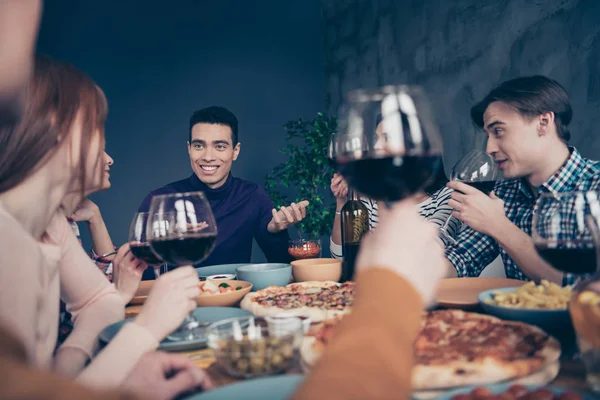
[307, 173]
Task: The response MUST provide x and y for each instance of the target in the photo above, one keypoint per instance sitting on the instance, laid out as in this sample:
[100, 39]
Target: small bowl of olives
[249, 347]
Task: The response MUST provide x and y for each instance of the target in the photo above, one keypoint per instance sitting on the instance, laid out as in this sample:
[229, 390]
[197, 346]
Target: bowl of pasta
[544, 305]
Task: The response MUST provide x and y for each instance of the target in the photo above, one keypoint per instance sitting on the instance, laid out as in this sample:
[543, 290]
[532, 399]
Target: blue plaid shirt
[473, 250]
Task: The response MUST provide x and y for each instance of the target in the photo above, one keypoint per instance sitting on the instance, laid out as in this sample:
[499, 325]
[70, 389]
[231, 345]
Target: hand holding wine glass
[171, 299]
[140, 245]
[127, 272]
[478, 170]
[388, 147]
[181, 229]
[403, 242]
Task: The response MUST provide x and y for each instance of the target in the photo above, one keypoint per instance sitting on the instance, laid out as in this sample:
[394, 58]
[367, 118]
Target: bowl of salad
[222, 293]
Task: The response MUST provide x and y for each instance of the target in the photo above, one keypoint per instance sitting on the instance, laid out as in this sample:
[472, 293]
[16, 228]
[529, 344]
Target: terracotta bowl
[225, 299]
[317, 269]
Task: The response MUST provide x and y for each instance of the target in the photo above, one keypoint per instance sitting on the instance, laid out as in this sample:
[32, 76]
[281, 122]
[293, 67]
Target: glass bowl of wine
[388, 145]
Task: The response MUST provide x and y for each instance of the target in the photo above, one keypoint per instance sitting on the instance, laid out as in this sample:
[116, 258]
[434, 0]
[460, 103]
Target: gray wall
[460, 49]
[159, 60]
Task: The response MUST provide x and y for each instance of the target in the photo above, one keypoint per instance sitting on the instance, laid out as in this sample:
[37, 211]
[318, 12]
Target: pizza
[318, 300]
[458, 348]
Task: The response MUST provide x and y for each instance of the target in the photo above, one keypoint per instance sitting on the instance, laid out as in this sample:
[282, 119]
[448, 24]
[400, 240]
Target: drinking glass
[139, 244]
[388, 145]
[477, 169]
[332, 150]
[566, 234]
[182, 230]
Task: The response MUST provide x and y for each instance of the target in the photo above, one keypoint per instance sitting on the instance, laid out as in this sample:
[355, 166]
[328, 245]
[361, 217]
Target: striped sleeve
[437, 211]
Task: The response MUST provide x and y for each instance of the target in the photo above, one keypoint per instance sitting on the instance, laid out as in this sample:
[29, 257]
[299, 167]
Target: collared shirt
[473, 250]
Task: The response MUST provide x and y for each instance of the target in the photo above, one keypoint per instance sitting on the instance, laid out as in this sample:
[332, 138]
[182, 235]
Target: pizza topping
[447, 336]
[336, 297]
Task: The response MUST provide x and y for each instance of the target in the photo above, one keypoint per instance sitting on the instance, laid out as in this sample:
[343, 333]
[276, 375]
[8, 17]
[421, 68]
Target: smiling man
[242, 209]
[526, 121]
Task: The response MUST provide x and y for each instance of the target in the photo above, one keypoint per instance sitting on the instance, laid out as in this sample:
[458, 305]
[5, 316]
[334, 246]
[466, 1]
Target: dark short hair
[216, 115]
[531, 96]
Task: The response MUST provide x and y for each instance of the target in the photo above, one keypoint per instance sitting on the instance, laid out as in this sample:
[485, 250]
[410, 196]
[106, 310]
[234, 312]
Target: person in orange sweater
[398, 268]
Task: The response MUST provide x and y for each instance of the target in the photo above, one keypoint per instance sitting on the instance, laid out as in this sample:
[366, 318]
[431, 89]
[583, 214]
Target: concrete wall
[460, 49]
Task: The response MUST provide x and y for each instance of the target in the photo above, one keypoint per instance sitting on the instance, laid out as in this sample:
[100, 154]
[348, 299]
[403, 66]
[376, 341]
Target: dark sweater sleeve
[273, 245]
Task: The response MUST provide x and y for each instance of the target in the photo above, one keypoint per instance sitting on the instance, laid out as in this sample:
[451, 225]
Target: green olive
[242, 365]
[277, 359]
[287, 351]
[259, 347]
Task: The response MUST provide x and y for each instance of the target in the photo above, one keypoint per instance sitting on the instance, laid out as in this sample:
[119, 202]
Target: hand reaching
[287, 216]
[171, 299]
[162, 376]
[405, 243]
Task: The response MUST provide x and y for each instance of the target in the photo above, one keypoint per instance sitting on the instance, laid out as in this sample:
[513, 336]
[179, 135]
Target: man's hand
[127, 272]
[86, 211]
[287, 216]
[480, 212]
[163, 376]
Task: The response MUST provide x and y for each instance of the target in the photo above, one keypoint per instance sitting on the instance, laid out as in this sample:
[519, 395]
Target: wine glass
[139, 244]
[477, 169]
[566, 234]
[388, 145]
[564, 228]
[332, 150]
[182, 230]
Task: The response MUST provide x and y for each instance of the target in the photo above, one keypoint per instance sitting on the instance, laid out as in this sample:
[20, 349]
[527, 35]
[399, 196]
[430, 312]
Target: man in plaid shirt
[526, 120]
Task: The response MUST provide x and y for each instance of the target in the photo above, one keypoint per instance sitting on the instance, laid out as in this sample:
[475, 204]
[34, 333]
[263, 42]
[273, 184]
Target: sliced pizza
[457, 348]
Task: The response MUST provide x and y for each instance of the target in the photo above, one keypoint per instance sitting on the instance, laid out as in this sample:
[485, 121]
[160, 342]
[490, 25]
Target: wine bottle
[355, 223]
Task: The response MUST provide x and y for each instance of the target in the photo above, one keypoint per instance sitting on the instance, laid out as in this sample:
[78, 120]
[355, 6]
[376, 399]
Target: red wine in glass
[483, 186]
[143, 252]
[574, 260]
[185, 250]
[390, 178]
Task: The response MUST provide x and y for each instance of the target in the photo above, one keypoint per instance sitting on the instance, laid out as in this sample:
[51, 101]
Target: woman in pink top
[53, 154]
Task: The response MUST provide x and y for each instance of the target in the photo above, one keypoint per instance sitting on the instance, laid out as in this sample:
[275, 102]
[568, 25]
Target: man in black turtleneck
[242, 209]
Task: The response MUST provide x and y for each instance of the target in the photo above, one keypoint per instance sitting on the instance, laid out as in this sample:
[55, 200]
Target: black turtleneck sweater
[242, 210]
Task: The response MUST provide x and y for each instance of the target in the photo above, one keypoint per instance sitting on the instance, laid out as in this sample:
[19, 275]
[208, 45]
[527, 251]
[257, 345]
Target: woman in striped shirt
[433, 204]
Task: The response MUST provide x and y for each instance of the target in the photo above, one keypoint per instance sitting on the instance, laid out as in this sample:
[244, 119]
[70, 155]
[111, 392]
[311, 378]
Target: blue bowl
[554, 322]
[272, 388]
[265, 275]
[222, 269]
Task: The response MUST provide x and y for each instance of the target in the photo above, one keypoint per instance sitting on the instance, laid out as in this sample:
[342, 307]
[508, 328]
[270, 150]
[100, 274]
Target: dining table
[571, 374]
